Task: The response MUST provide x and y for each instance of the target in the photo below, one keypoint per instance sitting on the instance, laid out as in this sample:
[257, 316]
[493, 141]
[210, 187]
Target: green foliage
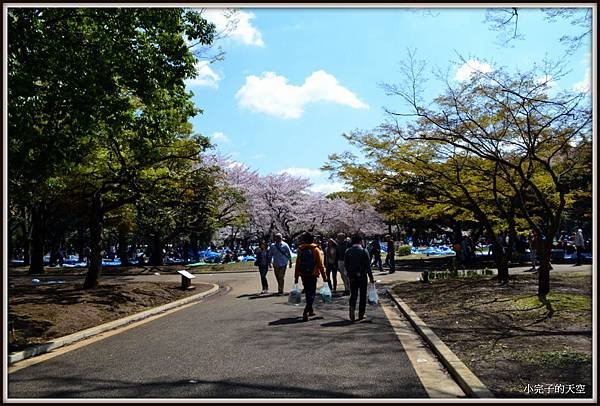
[403, 250]
[98, 110]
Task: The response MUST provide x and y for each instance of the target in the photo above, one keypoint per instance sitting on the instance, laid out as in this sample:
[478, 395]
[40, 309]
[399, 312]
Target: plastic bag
[325, 293]
[295, 295]
[372, 296]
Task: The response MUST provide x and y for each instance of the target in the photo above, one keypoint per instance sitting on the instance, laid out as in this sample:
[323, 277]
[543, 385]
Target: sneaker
[305, 317]
[311, 314]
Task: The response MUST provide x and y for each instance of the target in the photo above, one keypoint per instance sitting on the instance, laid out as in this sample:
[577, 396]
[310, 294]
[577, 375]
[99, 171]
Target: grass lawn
[513, 341]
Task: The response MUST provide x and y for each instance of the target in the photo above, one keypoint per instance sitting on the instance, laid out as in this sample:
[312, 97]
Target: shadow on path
[339, 323]
[76, 386]
[287, 320]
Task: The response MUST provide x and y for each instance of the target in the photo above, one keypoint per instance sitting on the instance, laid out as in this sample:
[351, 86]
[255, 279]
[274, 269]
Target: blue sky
[293, 80]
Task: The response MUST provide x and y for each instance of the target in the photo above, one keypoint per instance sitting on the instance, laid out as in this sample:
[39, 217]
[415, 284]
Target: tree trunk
[24, 243]
[36, 241]
[123, 252]
[501, 258]
[194, 245]
[545, 250]
[96, 222]
[156, 257]
[185, 254]
[502, 264]
[81, 242]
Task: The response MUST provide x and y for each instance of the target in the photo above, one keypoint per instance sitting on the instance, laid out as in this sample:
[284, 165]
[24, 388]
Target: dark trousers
[579, 256]
[358, 285]
[332, 270]
[310, 287]
[377, 262]
[390, 261]
[263, 276]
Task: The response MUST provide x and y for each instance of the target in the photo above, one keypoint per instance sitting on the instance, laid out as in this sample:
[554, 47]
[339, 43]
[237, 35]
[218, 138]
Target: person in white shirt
[579, 245]
[281, 255]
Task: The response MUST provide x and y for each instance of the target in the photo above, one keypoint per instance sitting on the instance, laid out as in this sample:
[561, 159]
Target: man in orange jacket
[309, 264]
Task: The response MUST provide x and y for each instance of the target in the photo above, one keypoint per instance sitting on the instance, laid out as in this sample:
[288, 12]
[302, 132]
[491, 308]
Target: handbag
[372, 296]
[295, 295]
[325, 293]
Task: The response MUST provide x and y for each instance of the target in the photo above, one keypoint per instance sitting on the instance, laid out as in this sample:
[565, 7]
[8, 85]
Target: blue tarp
[439, 250]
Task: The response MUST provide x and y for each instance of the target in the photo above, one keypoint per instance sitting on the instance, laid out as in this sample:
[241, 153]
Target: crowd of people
[350, 257]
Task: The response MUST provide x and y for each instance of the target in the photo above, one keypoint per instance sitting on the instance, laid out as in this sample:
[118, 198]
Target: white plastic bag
[295, 295]
[325, 293]
[372, 296]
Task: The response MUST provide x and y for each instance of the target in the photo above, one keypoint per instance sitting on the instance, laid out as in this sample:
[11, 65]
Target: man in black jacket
[358, 266]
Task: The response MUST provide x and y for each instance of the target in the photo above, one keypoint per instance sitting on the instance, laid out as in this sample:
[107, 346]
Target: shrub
[403, 250]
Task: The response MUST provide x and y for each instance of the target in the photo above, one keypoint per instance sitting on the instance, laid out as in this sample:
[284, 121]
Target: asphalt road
[234, 345]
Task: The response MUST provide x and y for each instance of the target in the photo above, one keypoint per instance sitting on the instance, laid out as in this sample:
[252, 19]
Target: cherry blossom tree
[257, 207]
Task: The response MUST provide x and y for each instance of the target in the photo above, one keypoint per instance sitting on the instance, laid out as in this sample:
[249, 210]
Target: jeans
[310, 287]
[332, 269]
[390, 261]
[263, 276]
[358, 289]
[280, 276]
[377, 262]
[344, 275]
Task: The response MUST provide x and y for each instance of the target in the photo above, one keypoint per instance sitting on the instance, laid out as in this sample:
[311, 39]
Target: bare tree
[510, 120]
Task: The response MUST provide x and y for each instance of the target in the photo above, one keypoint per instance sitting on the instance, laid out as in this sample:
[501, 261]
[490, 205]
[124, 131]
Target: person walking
[390, 258]
[342, 245]
[376, 254]
[263, 263]
[533, 243]
[309, 265]
[358, 267]
[281, 255]
[331, 263]
[579, 245]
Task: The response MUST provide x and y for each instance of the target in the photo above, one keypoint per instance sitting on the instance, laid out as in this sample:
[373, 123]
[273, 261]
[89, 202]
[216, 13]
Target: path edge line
[92, 331]
[466, 379]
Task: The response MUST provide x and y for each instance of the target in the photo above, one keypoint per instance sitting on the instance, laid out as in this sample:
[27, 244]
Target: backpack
[307, 261]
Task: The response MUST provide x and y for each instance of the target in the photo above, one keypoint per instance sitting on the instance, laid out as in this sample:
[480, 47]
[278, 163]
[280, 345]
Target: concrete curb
[62, 341]
[466, 379]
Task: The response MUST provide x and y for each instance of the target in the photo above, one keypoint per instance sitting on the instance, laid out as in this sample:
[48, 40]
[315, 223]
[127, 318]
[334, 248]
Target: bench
[186, 280]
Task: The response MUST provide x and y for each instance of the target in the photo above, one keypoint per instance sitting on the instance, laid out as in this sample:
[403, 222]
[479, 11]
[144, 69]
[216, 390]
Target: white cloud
[206, 76]
[303, 172]
[584, 85]
[327, 188]
[220, 137]
[271, 94]
[235, 24]
[318, 179]
[257, 156]
[470, 67]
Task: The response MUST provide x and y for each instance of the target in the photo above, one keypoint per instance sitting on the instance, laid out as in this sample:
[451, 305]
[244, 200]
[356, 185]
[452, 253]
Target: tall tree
[512, 121]
[96, 94]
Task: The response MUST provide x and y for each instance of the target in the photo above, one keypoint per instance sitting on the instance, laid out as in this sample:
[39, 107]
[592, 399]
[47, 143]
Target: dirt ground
[139, 270]
[38, 313]
[516, 344]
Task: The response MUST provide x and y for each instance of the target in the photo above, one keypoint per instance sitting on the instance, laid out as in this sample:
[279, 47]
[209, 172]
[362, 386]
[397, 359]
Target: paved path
[238, 345]
[231, 346]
